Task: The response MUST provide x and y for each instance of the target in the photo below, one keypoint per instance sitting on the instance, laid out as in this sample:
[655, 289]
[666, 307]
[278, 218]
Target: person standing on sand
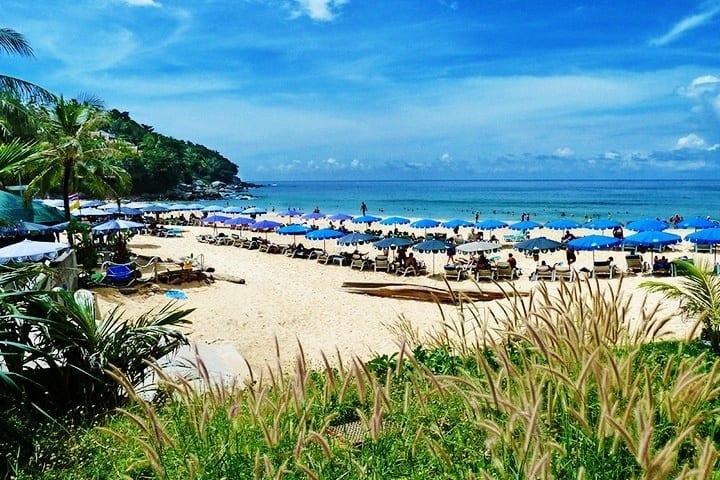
[363, 208]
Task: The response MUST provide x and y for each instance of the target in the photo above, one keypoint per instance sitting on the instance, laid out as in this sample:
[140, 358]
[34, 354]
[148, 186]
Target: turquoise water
[503, 199]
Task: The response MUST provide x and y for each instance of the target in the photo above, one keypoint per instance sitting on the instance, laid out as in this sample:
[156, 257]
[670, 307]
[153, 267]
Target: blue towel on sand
[176, 294]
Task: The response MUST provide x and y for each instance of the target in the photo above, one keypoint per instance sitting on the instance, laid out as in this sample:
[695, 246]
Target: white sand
[301, 302]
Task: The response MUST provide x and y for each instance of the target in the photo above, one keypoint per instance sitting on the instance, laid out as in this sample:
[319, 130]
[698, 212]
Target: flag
[74, 201]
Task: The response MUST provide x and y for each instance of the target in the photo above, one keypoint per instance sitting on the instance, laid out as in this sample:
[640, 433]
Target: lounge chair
[455, 272]
[119, 274]
[635, 264]
[382, 263]
[564, 272]
[485, 274]
[505, 270]
[602, 269]
[357, 261]
[544, 272]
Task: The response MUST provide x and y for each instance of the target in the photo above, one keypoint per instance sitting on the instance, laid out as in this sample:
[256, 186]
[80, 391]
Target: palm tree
[699, 293]
[12, 42]
[75, 152]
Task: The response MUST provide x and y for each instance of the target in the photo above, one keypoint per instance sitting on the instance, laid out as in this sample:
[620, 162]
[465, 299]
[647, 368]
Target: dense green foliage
[561, 388]
[163, 162]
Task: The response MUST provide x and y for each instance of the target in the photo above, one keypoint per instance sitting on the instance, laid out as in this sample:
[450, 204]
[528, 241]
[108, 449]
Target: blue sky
[417, 89]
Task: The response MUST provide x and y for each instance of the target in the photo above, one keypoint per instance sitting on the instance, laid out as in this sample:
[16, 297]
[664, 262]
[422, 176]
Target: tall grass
[554, 385]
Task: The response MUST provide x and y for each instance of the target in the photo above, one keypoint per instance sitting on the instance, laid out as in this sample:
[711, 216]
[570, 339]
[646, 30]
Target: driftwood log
[423, 293]
[176, 277]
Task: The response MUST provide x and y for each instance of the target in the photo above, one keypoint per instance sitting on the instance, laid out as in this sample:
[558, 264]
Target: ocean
[543, 200]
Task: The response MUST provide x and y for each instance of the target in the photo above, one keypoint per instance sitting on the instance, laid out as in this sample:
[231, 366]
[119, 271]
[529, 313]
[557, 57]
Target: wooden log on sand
[422, 293]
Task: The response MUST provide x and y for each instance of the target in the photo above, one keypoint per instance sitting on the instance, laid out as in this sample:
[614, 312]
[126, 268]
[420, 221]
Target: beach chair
[564, 272]
[505, 270]
[544, 272]
[602, 269]
[455, 272]
[119, 274]
[485, 274]
[357, 261]
[382, 263]
[635, 264]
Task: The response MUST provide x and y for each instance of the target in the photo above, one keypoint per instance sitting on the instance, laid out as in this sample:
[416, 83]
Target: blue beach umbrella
[90, 212]
[490, 224]
[706, 236]
[456, 222]
[23, 228]
[117, 225]
[393, 243]
[211, 208]
[313, 216]
[697, 223]
[215, 219]
[254, 211]
[293, 229]
[324, 234]
[542, 244]
[356, 238]
[290, 213]
[233, 209]
[395, 221]
[239, 221]
[155, 208]
[479, 246]
[602, 224]
[431, 246]
[525, 225]
[122, 210]
[425, 223]
[593, 242]
[340, 217]
[91, 203]
[647, 225]
[562, 224]
[31, 251]
[652, 239]
[264, 225]
[366, 219]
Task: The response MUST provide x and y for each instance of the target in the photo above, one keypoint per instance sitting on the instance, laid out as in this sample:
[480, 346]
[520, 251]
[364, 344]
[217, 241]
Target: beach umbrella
[366, 219]
[340, 217]
[324, 234]
[52, 202]
[213, 208]
[313, 216]
[456, 222]
[356, 238]
[122, 210]
[155, 208]
[647, 225]
[431, 246]
[90, 212]
[178, 207]
[113, 226]
[425, 223]
[593, 242]
[652, 239]
[697, 223]
[525, 225]
[254, 211]
[107, 206]
[293, 229]
[233, 209]
[91, 203]
[215, 219]
[542, 244]
[707, 236]
[30, 228]
[138, 205]
[490, 224]
[290, 213]
[393, 243]
[395, 221]
[239, 221]
[264, 225]
[602, 224]
[477, 247]
[562, 224]
[31, 251]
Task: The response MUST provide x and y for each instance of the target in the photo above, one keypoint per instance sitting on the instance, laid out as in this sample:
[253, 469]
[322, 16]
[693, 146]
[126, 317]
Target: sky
[398, 89]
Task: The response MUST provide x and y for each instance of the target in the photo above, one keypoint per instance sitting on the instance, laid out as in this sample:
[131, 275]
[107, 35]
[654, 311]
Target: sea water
[543, 200]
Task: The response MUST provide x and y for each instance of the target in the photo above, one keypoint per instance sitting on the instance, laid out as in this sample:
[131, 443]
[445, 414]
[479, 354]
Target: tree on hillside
[76, 155]
[12, 42]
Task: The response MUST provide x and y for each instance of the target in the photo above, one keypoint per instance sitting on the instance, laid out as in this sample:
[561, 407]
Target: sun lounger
[381, 263]
[564, 272]
[544, 272]
[485, 274]
[357, 261]
[602, 269]
[505, 270]
[635, 264]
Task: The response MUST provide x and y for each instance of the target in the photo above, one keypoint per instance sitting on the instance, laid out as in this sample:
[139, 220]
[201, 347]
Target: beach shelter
[313, 216]
[541, 244]
[239, 221]
[697, 223]
[431, 246]
[264, 225]
[366, 219]
[155, 208]
[90, 212]
[707, 236]
[652, 239]
[14, 209]
[290, 213]
[647, 225]
[31, 251]
[593, 242]
[293, 229]
[392, 243]
[215, 219]
[340, 217]
[324, 234]
[23, 229]
[394, 221]
[456, 222]
[562, 224]
[113, 226]
[113, 209]
[425, 223]
[490, 224]
[356, 238]
[602, 224]
[479, 247]
[525, 225]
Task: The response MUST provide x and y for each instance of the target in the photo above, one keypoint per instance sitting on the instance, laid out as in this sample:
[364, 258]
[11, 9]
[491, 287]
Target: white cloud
[703, 85]
[446, 158]
[564, 152]
[692, 142]
[142, 3]
[686, 24]
[320, 10]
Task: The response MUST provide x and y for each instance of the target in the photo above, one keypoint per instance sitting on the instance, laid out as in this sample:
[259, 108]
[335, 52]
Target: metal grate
[353, 433]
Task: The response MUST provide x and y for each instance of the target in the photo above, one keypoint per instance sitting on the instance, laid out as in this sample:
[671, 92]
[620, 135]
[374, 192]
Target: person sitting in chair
[411, 261]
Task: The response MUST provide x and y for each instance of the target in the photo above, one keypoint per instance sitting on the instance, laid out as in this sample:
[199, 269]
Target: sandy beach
[301, 302]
